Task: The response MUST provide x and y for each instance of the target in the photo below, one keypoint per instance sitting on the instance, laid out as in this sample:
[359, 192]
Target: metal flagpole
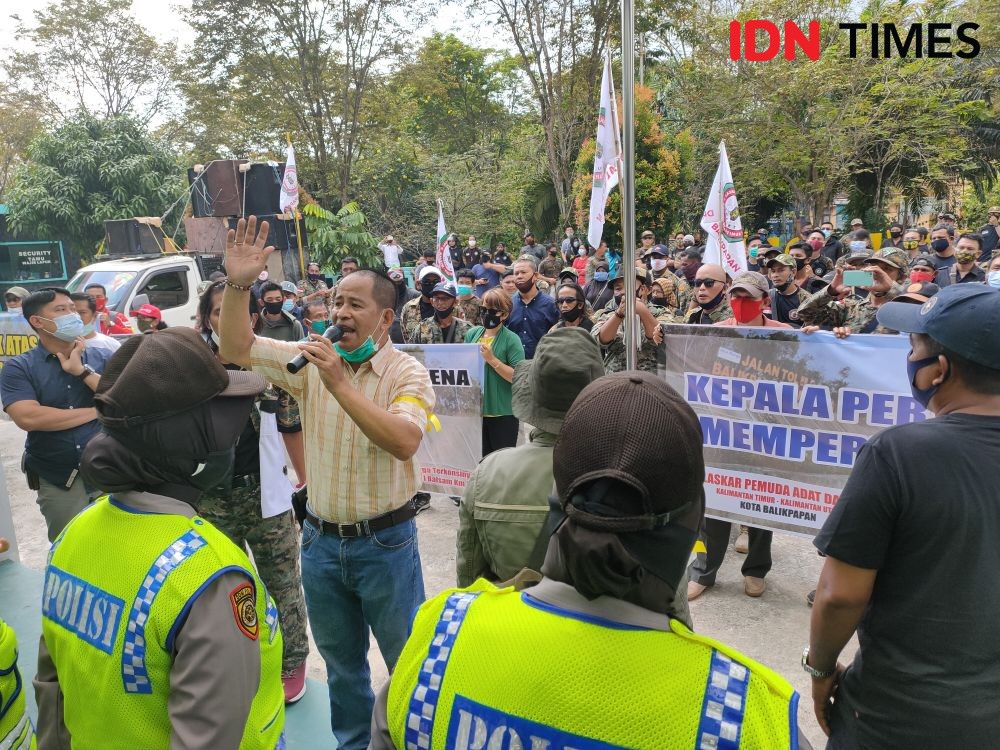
[627, 185]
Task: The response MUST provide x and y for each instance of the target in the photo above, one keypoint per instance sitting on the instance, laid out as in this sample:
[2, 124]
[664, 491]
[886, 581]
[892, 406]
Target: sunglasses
[567, 300]
[707, 283]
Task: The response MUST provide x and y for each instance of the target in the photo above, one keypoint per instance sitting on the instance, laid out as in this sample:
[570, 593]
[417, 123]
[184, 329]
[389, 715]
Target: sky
[163, 20]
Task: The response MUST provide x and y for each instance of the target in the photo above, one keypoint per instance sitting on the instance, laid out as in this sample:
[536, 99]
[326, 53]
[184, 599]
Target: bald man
[710, 285]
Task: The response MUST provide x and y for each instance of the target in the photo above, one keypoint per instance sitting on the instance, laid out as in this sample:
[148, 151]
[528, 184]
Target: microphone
[332, 334]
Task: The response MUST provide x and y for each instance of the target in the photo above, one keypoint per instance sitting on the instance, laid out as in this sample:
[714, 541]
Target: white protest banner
[289, 198]
[606, 156]
[447, 458]
[721, 221]
[444, 263]
[784, 414]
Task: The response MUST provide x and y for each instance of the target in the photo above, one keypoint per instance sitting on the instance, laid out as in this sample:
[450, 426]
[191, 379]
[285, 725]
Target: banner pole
[298, 236]
[628, 179]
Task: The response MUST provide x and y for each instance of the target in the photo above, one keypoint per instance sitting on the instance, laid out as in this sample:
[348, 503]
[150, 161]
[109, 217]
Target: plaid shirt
[350, 478]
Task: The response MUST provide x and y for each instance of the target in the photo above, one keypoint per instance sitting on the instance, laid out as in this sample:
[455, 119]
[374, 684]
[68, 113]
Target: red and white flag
[444, 263]
[721, 221]
[289, 184]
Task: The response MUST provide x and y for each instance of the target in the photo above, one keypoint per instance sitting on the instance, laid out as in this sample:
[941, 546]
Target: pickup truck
[170, 282]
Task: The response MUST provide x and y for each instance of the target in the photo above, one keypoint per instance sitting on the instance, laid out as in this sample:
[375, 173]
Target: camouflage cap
[752, 282]
[784, 259]
[891, 257]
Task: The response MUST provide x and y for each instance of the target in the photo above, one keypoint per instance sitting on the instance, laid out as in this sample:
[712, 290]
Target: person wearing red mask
[922, 270]
[748, 297]
[111, 322]
[820, 264]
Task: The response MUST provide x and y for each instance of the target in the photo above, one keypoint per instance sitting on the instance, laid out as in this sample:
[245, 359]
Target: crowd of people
[146, 450]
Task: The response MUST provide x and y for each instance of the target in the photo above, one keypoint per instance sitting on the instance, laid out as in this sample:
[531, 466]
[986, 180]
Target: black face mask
[570, 315]
[618, 299]
[800, 263]
[939, 245]
[783, 287]
[661, 301]
[313, 276]
[489, 318]
[427, 287]
[442, 314]
[272, 308]
[896, 233]
[714, 302]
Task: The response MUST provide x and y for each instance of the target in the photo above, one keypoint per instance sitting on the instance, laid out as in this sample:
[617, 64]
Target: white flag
[721, 221]
[444, 263]
[289, 184]
[606, 156]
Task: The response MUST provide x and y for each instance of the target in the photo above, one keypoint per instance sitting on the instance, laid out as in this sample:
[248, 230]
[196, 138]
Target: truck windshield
[117, 283]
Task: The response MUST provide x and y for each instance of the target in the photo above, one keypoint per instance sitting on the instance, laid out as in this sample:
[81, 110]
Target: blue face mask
[993, 279]
[464, 289]
[922, 396]
[68, 327]
[88, 328]
[858, 246]
[319, 326]
[827, 232]
[288, 305]
[600, 276]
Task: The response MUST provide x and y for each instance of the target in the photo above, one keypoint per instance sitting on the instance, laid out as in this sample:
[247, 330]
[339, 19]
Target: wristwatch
[812, 670]
[87, 372]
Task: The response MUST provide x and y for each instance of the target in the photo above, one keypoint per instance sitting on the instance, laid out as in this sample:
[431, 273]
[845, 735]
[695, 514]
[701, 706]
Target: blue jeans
[352, 585]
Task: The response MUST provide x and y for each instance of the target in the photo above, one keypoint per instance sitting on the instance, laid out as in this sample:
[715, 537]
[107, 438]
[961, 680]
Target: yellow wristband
[432, 420]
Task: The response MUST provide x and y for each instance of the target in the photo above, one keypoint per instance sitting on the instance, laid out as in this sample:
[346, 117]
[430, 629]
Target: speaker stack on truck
[226, 190]
[139, 236]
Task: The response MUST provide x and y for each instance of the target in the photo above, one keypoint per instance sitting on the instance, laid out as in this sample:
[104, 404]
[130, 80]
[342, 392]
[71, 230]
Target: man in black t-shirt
[912, 561]
[786, 296]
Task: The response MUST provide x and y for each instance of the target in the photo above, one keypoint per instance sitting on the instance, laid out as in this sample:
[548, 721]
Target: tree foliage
[659, 175]
[87, 171]
[92, 55]
[334, 236]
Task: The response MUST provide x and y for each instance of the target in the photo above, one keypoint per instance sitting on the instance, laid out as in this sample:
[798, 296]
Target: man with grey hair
[534, 313]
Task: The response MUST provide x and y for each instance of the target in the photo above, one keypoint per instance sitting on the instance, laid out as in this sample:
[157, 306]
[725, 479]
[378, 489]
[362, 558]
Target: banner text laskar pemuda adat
[784, 414]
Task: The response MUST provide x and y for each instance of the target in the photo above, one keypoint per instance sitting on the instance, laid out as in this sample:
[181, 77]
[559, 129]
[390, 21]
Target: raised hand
[246, 255]
[72, 363]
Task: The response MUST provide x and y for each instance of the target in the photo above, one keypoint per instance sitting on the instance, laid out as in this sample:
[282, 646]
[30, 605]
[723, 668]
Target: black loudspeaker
[219, 191]
[263, 189]
[281, 232]
[133, 237]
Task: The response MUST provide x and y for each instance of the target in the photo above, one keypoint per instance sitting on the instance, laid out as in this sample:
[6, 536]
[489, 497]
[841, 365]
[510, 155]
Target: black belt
[368, 526]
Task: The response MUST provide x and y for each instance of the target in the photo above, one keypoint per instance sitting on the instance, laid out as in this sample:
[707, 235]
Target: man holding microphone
[364, 409]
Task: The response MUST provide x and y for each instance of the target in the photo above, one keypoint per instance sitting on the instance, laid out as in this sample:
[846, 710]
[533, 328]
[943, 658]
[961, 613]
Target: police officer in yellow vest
[16, 729]
[588, 658]
[156, 632]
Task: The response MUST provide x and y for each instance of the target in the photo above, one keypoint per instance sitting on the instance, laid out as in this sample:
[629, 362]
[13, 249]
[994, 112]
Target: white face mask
[658, 264]
[472, 243]
[581, 252]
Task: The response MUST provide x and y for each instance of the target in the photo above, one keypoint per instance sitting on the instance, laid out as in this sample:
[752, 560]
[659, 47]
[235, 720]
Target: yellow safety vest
[117, 588]
[16, 731]
[489, 668]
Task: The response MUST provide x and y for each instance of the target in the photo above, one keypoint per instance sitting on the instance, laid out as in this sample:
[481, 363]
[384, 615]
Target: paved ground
[772, 629]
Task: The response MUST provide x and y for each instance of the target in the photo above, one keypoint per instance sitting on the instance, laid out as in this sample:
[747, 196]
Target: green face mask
[319, 326]
[362, 353]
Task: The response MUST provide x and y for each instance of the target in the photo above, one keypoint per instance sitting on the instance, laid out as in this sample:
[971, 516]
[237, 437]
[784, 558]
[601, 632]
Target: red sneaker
[294, 683]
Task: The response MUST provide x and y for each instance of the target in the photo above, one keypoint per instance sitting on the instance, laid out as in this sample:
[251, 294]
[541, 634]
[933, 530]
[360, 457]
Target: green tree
[87, 171]
[659, 171]
[92, 55]
[21, 123]
[334, 236]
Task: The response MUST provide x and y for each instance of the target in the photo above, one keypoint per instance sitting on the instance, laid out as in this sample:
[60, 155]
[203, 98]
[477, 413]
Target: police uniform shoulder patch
[244, 601]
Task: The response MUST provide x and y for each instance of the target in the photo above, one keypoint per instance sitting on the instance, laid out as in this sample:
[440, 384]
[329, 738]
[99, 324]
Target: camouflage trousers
[274, 544]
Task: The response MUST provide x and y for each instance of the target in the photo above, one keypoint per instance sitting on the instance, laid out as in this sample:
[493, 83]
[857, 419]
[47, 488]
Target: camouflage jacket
[614, 353]
[854, 313]
[697, 316]
[429, 332]
[409, 319]
[468, 310]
